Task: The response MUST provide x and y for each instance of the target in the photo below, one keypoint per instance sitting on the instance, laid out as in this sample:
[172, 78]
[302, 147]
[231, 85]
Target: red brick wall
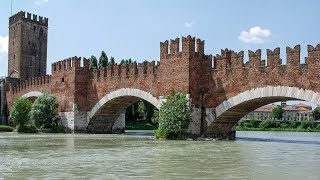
[188, 70]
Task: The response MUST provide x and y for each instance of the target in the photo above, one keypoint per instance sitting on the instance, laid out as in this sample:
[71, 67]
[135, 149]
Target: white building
[296, 112]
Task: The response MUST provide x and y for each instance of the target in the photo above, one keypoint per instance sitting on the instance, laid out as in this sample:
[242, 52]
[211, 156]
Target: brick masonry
[221, 88]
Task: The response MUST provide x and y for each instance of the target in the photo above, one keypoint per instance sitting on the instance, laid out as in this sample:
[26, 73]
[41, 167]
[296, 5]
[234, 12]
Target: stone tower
[28, 37]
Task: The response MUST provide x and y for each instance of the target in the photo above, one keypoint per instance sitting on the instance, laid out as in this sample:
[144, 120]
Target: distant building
[296, 112]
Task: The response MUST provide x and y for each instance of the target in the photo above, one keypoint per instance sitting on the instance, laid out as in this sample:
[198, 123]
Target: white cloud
[188, 24]
[40, 2]
[256, 35]
[4, 40]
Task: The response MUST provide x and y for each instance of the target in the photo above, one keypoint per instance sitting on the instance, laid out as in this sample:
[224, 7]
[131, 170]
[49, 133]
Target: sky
[133, 28]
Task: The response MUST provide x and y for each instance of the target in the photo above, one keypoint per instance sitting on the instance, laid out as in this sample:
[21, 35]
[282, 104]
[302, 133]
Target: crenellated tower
[28, 38]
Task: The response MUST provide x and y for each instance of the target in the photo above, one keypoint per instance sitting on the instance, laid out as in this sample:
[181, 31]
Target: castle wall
[225, 82]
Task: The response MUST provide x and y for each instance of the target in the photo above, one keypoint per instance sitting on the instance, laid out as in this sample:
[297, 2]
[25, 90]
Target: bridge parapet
[35, 82]
[69, 63]
[126, 71]
[231, 59]
[189, 45]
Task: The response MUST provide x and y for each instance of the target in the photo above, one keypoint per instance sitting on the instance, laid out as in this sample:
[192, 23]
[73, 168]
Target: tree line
[104, 61]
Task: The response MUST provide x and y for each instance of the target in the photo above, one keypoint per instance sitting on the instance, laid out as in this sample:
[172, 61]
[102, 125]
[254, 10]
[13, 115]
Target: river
[253, 155]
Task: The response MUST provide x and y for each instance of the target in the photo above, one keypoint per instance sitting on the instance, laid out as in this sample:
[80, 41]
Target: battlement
[67, 64]
[126, 71]
[23, 16]
[189, 45]
[30, 83]
[230, 59]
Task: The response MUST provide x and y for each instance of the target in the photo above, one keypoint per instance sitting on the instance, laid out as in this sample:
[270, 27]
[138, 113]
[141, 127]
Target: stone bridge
[221, 89]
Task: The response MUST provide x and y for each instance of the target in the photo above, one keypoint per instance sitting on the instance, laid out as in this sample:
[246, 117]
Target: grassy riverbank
[271, 125]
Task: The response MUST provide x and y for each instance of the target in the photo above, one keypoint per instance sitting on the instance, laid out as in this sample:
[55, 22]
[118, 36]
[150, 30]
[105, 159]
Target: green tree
[277, 112]
[122, 62]
[112, 61]
[316, 114]
[148, 110]
[103, 60]
[93, 63]
[43, 111]
[174, 117]
[20, 111]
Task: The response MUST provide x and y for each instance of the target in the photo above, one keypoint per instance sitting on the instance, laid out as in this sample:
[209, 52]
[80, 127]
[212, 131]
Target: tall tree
[112, 60]
[103, 60]
[44, 111]
[20, 111]
[316, 114]
[277, 112]
[93, 63]
[149, 110]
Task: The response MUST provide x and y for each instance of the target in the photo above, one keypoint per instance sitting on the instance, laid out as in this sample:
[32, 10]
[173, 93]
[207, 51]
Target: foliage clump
[277, 112]
[4, 128]
[20, 111]
[43, 111]
[174, 117]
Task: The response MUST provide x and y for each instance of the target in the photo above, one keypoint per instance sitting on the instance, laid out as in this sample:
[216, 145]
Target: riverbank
[238, 128]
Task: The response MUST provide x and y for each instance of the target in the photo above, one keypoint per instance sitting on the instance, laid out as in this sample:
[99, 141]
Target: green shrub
[57, 129]
[293, 125]
[174, 117]
[269, 124]
[253, 123]
[6, 129]
[266, 124]
[20, 111]
[307, 124]
[284, 125]
[29, 128]
[43, 111]
[161, 133]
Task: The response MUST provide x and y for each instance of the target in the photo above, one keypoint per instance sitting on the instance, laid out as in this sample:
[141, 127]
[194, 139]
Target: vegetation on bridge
[174, 117]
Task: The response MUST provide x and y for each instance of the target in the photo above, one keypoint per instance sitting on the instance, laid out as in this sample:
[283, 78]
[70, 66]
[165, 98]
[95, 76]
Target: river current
[253, 155]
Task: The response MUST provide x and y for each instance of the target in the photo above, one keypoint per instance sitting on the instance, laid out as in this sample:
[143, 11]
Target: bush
[306, 124]
[6, 129]
[20, 111]
[253, 123]
[161, 133]
[43, 111]
[57, 129]
[269, 124]
[293, 125]
[284, 125]
[174, 117]
[30, 128]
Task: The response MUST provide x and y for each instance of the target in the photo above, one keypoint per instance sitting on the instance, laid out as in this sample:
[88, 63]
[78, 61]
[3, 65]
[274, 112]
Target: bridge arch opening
[108, 115]
[228, 113]
[32, 96]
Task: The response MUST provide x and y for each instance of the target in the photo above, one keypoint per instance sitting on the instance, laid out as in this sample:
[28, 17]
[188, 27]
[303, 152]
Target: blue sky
[134, 28]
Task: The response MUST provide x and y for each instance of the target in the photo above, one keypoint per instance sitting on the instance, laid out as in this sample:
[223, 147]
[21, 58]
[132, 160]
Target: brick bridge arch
[213, 82]
[32, 96]
[106, 112]
[229, 112]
